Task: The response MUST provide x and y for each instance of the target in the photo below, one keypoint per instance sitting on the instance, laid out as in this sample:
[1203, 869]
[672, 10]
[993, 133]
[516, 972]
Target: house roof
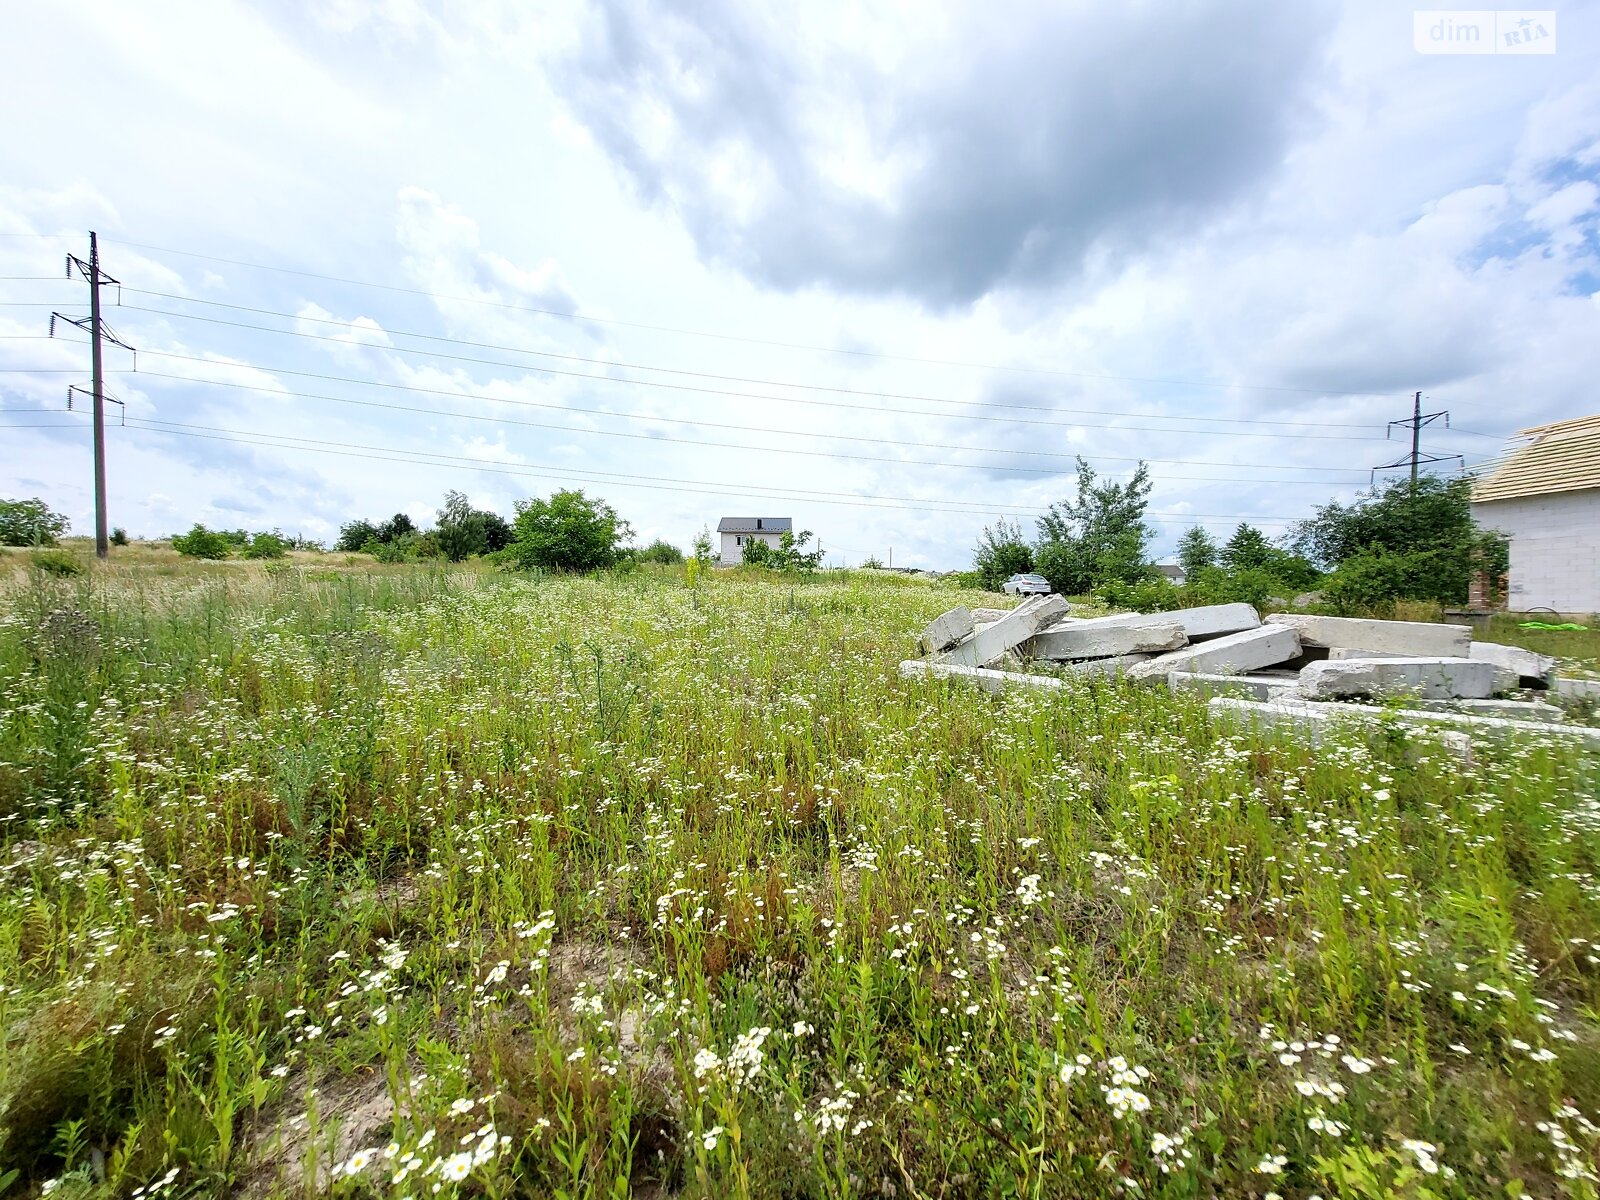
[1564, 456]
[755, 525]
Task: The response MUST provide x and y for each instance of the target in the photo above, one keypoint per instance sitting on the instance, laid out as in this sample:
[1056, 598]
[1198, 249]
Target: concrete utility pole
[96, 329]
[1417, 420]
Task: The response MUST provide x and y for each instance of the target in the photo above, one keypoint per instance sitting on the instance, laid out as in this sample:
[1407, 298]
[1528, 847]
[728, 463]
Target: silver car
[1026, 585]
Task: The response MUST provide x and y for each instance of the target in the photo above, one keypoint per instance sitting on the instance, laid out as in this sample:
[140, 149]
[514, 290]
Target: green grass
[331, 878]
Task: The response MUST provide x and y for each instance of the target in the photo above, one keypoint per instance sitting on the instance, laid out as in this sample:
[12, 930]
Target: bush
[568, 532]
[119, 536]
[201, 542]
[267, 545]
[1155, 593]
[29, 523]
[57, 562]
[661, 552]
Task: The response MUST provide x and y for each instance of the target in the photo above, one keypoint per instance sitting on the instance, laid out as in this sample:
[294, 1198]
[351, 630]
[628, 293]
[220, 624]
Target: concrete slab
[1532, 670]
[947, 630]
[1476, 724]
[1315, 722]
[1516, 710]
[1255, 687]
[1341, 653]
[988, 616]
[984, 645]
[1233, 654]
[1093, 639]
[1430, 678]
[1577, 689]
[989, 681]
[1207, 621]
[1412, 638]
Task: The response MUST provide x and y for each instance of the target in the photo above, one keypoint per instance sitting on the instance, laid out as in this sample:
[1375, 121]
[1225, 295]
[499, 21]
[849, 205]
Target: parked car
[1026, 585]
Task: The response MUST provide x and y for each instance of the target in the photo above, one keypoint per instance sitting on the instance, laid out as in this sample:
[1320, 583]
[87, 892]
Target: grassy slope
[620, 881]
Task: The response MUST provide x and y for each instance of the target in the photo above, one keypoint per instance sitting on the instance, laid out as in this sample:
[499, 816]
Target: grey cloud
[1028, 142]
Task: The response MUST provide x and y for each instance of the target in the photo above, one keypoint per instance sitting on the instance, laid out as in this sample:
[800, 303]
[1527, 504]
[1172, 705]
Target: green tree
[1247, 550]
[1197, 550]
[395, 528]
[1099, 536]
[462, 530]
[354, 535]
[1421, 540]
[1001, 552]
[29, 523]
[119, 536]
[792, 555]
[568, 532]
[201, 542]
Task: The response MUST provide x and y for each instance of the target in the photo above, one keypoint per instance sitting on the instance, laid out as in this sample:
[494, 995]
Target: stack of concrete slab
[1288, 669]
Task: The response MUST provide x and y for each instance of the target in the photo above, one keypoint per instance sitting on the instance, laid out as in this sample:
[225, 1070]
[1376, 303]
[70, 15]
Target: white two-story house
[736, 531]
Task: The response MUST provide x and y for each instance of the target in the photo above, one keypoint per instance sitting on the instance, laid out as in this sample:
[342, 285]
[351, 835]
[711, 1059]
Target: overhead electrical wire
[580, 317]
[686, 441]
[633, 366]
[430, 458]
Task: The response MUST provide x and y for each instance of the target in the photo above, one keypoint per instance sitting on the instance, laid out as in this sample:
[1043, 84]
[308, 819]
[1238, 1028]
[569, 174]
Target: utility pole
[96, 329]
[1415, 423]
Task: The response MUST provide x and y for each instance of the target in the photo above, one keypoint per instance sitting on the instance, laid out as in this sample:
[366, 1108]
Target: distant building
[1545, 496]
[736, 531]
[1173, 572]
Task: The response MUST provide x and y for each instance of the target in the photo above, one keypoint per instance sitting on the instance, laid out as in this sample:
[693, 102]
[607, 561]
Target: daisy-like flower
[712, 1136]
[456, 1167]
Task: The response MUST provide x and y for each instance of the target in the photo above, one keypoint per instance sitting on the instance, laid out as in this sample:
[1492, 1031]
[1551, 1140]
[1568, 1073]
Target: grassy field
[315, 878]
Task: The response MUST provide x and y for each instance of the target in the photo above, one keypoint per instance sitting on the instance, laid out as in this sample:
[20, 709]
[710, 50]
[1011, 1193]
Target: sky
[883, 268]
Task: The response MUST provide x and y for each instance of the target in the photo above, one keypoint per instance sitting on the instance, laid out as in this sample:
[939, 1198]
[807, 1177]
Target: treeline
[567, 532]
[1395, 541]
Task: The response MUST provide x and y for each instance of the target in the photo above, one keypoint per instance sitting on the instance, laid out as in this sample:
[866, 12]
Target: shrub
[1155, 593]
[661, 552]
[57, 562]
[1001, 553]
[119, 536]
[201, 542]
[267, 545]
[29, 523]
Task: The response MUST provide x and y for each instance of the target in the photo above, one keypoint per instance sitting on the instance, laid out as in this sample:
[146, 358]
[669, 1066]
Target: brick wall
[1555, 549]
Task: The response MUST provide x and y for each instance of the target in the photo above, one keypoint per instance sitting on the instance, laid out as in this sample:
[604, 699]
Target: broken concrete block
[1233, 654]
[1515, 710]
[1314, 721]
[947, 630]
[1258, 687]
[1207, 621]
[1469, 721]
[1430, 678]
[1578, 689]
[1412, 638]
[989, 681]
[1341, 653]
[1532, 670]
[983, 646]
[988, 616]
[1095, 639]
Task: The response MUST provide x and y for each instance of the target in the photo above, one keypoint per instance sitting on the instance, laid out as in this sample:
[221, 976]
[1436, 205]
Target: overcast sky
[882, 268]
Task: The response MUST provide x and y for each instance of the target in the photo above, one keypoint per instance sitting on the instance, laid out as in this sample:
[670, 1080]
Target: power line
[1417, 457]
[603, 362]
[653, 383]
[427, 458]
[571, 316]
[681, 441]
